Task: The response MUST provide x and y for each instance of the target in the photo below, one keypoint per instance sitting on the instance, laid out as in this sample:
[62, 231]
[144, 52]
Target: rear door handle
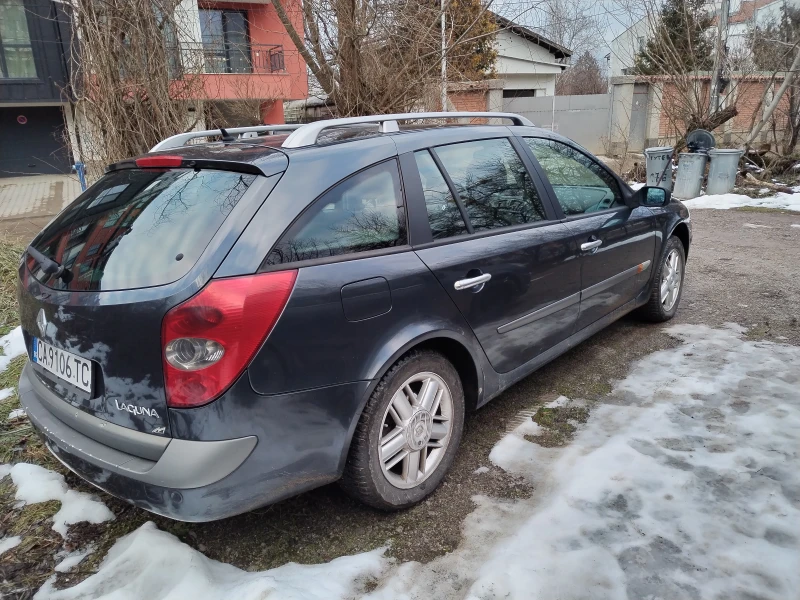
[463, 284]
[586, 246]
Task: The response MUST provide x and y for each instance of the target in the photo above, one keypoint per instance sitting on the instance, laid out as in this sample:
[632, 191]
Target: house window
[16, 54]
[530, 93]
[226, 42]
[519, 93]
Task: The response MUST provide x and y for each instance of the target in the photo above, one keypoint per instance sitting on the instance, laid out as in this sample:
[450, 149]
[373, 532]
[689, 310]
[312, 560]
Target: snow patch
[4, 470]
[637, 186]
[13, 345]
[756, 226]
[8, 543]
[558, 402]
[17, 413]
[5, 393]
[154, 564]
[726, 201]
[682, 485]
[795, 224]
[480, 470]
[513, 452]
[73, 559]
[36, 484]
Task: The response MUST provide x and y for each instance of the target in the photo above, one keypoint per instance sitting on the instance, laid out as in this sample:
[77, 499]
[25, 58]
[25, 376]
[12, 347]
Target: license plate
[64, 365]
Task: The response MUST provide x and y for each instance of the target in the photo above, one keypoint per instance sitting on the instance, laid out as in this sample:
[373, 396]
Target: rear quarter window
[139, 228]
[359, 214]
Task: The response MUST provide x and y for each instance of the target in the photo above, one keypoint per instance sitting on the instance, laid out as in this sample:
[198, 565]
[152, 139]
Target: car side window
[580, 184]
[444, 215]
[492, 183]
[364, 212]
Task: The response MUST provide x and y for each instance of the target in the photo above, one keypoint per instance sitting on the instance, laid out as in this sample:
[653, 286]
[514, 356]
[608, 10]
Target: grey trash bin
[659, 167]
[722, 171]
[691, 168]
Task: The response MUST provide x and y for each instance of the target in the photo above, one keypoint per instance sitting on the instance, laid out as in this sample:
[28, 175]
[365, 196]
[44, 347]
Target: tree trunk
[709, 123]
[787, 81]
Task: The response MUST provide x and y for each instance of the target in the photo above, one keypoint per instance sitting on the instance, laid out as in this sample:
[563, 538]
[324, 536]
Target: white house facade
[626, 46]
[527, 62]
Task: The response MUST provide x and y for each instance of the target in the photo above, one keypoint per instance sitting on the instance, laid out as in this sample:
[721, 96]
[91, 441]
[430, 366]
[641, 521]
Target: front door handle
[586, 246]
[463, 284]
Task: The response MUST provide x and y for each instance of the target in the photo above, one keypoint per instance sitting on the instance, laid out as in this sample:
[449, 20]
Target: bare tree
[569, 23]
[677, 59]
[131, 81]
[584, 77]
[373, 56]
[774, 47]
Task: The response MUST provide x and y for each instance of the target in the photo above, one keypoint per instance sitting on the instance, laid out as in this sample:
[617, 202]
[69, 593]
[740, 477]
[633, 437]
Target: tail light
[210, 339]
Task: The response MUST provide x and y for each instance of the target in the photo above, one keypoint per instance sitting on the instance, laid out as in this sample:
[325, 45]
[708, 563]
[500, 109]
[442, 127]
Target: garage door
[31, 141]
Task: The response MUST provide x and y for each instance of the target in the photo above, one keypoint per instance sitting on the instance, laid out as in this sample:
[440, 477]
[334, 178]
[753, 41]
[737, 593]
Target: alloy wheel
[671, 280]
[415, 430]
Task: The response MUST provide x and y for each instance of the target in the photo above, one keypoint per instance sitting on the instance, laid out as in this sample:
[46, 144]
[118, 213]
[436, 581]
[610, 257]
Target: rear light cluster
[211, 338]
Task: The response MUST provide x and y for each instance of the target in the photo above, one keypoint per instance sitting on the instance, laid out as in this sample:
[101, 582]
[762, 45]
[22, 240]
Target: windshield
[138, 228]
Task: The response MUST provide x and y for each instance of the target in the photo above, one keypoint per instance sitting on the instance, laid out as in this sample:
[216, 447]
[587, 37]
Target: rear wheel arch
[447, 343]
[452, 346]
[462, 360]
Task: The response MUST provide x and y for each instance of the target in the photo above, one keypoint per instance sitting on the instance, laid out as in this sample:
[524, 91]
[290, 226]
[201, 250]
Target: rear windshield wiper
[50, 266]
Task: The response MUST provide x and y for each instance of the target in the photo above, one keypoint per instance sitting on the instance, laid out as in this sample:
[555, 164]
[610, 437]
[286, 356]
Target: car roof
[265, 148]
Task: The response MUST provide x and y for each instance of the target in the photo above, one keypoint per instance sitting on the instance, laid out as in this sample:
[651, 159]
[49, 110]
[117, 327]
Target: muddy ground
[744, 267]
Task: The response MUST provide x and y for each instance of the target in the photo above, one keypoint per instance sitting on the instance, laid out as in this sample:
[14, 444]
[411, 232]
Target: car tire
[380, 469]
[660, 308]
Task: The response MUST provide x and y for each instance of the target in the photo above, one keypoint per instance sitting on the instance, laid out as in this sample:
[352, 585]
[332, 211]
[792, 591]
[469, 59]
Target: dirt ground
[743, 267]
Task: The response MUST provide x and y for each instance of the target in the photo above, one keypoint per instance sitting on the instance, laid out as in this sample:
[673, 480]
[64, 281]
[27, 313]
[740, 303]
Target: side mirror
[652, 196]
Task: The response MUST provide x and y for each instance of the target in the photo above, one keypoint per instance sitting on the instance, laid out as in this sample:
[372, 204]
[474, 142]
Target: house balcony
[229, 59]
[249, 71]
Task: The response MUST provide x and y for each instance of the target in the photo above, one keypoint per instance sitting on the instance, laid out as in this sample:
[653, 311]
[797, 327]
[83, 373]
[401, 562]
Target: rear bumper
[198, 480]
[184, 471]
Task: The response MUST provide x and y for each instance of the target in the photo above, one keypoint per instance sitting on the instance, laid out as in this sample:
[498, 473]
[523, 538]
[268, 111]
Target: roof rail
[176, 141]
[307, 134]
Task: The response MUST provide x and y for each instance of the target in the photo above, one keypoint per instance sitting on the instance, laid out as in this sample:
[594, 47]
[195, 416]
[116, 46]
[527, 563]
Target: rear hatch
[134, 245]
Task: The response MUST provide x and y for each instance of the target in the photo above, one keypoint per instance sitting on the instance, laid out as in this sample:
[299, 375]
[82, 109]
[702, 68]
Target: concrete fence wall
[584, 119]
[648, 111]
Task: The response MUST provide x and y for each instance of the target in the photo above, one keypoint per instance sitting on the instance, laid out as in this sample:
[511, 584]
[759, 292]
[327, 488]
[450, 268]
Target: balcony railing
[236, 58]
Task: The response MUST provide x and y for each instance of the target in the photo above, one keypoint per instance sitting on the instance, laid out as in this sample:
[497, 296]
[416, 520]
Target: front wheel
[408, 434]
[667, 284]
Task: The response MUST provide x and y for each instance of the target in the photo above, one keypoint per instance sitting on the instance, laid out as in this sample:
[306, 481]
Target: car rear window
[138, 228]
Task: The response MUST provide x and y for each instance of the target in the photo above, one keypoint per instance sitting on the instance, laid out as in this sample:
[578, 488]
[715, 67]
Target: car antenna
[226, 137]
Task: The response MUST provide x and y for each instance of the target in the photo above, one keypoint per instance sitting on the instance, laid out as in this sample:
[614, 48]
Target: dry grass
[9, 265]
[558, 424]
[24, 568]
[18, 443]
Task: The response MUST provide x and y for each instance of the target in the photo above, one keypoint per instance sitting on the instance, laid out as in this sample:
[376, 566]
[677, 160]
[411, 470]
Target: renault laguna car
[218, 326]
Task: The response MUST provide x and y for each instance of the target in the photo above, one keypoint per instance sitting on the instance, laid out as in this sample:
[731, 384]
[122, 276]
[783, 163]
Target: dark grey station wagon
[218, 326]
